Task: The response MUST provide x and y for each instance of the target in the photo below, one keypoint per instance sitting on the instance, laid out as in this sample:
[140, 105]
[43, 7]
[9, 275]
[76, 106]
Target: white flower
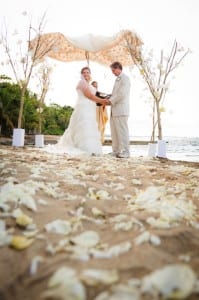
[159, 66]
[15, 32]
[156, 94]
[23, 60]
[162, 109]
[19, 42]
[181, 49]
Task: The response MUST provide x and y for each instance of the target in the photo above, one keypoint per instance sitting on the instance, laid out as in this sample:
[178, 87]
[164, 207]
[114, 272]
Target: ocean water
[177, 148]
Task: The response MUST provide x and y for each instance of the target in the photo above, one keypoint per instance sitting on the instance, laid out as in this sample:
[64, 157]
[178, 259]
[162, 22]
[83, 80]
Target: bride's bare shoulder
[82, 85]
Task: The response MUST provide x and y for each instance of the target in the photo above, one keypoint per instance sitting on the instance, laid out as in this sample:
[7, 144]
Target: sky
[157, 22]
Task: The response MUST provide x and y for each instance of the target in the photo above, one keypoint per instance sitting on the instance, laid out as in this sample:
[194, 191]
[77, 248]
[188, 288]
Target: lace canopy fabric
[101, 49]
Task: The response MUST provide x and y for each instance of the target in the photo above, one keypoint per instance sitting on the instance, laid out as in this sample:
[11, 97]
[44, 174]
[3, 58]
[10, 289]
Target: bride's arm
[94, 98]
[83, 86]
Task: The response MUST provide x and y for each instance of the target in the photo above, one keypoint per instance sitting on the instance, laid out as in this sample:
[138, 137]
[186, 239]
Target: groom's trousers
[119, 134]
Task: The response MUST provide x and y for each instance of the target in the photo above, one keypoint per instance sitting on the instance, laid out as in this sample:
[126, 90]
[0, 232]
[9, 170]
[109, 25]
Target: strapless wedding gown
[82, 135]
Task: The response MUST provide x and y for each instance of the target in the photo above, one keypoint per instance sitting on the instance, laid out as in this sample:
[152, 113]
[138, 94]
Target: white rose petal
[115, 250]
[59, 227]
[123, 226]
[86, 239]
[34, 264]
[94, 276]
[97, 212]
[172, 281]
[64, 285]
[142, 238]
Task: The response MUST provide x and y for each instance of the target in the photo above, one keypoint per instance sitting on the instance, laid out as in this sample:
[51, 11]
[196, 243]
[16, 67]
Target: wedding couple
[82, 135]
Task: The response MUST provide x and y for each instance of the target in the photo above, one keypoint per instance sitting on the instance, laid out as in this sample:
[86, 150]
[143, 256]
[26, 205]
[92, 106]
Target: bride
[82, 135]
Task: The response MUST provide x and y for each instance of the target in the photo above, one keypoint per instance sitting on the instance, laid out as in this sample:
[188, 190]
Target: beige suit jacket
[120, 96]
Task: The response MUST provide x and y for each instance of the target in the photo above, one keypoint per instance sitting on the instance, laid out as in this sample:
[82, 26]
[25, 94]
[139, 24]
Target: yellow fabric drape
[102, 118]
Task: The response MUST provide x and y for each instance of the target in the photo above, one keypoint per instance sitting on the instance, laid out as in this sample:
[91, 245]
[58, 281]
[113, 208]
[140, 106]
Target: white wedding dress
[82, 135]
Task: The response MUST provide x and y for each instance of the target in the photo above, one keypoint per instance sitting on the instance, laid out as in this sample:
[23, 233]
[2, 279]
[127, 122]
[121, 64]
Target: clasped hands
[106, 101]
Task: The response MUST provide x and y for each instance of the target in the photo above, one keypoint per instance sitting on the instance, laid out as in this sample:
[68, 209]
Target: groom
[119, 102]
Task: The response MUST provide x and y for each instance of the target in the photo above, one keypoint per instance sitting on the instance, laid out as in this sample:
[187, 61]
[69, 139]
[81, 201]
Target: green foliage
[30, 115]
[9, 99]
[4, 77]
[55, 118]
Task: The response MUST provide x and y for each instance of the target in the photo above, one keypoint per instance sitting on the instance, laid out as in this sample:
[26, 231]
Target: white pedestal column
[18, 137]
[152, 149]
[39, 140]
[161, 149]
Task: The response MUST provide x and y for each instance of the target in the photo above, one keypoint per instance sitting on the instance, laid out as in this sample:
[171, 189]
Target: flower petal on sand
[173, 281]
[64, 285]
[94, 277]
[20, 242]
[86, 239]
[59, 227]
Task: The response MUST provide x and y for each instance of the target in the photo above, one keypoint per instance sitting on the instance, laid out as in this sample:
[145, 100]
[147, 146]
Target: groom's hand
[107, 102]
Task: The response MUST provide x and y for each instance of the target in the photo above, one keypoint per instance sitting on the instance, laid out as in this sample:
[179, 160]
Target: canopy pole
[87, 57]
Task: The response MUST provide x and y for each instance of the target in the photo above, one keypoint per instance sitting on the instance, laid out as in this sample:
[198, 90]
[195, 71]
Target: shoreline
[52, 139]
[174, 150]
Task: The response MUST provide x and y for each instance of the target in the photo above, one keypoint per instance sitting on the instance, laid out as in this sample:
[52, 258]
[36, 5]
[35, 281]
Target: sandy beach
[97, 228]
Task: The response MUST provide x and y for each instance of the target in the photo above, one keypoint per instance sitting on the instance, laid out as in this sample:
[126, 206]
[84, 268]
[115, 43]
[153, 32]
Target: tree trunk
[40, 122]
[159, 120]
[23, 90]
[153, 124]
[41, 105]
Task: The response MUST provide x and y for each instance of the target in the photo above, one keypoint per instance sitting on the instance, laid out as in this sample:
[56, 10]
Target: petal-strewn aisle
[97, 227]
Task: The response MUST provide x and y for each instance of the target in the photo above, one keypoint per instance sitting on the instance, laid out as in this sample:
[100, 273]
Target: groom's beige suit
[119, 114]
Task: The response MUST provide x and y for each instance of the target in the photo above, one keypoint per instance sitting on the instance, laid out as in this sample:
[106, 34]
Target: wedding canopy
[98, 48]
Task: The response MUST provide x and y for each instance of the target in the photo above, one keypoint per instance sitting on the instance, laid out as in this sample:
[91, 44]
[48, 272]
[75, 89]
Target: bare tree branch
[23, 68]
[157, 78]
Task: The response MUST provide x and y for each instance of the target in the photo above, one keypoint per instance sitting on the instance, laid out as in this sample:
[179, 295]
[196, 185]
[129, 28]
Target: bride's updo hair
[85, 68]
